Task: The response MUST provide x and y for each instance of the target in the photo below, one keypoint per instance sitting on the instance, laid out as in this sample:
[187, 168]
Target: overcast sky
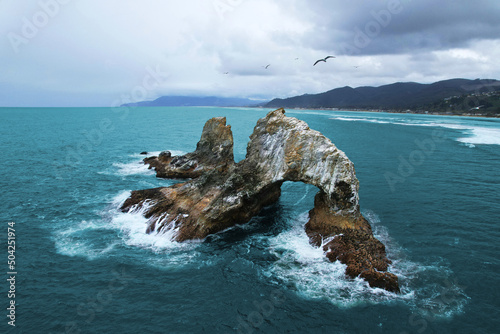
[102, 53]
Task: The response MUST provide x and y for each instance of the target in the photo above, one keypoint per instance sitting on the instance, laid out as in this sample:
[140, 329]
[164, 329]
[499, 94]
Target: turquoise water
[428, 184]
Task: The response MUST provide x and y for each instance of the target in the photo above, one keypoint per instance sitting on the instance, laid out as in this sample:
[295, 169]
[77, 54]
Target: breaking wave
[135, 165]
[117, 231]
[475, 132]
[305, 268]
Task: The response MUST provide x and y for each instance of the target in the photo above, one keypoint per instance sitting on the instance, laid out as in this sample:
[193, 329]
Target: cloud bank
[95, 53]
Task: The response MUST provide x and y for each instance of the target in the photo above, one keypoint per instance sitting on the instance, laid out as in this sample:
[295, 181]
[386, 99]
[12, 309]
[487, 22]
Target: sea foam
[135, 165]
[305, 268]
[116, 232]
[473, 134]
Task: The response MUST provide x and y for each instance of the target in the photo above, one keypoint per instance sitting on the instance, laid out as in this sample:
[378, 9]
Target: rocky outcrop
[351, 242]
[213, 151]
[224, 193]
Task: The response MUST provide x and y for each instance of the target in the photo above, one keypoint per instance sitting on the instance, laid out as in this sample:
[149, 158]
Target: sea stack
[222, 193]
[213, 151]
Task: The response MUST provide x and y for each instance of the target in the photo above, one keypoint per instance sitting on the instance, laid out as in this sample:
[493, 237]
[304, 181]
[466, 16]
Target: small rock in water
[165, 154]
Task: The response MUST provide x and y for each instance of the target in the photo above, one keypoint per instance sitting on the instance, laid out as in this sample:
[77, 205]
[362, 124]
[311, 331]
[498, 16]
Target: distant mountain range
[195, 101]
[455, 96]
[402, 96]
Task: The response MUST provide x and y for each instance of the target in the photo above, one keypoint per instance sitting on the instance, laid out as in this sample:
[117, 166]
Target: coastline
[288, 108]
[412, 112]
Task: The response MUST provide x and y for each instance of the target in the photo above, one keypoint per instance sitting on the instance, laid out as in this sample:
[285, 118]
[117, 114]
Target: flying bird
[266, 66]
[324, 60]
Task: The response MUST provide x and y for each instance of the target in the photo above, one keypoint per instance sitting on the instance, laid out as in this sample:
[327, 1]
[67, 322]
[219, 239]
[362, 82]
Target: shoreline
[395, 112]
[289, 108]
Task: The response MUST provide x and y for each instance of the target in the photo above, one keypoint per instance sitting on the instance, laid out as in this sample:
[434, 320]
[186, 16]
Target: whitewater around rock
[222, 193]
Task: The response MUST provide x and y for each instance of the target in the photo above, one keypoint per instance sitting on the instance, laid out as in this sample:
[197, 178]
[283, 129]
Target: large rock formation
[224, 193]
[213, 151]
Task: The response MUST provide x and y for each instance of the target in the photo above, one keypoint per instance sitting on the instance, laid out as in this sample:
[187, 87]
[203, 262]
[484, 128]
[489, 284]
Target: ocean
[429, 186]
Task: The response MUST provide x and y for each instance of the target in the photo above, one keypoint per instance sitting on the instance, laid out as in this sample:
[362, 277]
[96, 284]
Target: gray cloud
[400, 26]
[93, 52]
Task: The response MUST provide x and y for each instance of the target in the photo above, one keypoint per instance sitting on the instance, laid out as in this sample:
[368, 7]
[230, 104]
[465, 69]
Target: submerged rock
[224, 193]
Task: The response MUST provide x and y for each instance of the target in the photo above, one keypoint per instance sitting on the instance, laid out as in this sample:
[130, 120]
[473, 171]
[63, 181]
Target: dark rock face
[214, 151]
[352, 243]
[224, 193]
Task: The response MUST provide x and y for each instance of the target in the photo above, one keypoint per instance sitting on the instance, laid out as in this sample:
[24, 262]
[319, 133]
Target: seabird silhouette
[266, 66]
[324, 59]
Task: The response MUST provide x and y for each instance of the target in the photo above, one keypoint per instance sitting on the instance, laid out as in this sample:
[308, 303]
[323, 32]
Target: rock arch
[225, 193]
